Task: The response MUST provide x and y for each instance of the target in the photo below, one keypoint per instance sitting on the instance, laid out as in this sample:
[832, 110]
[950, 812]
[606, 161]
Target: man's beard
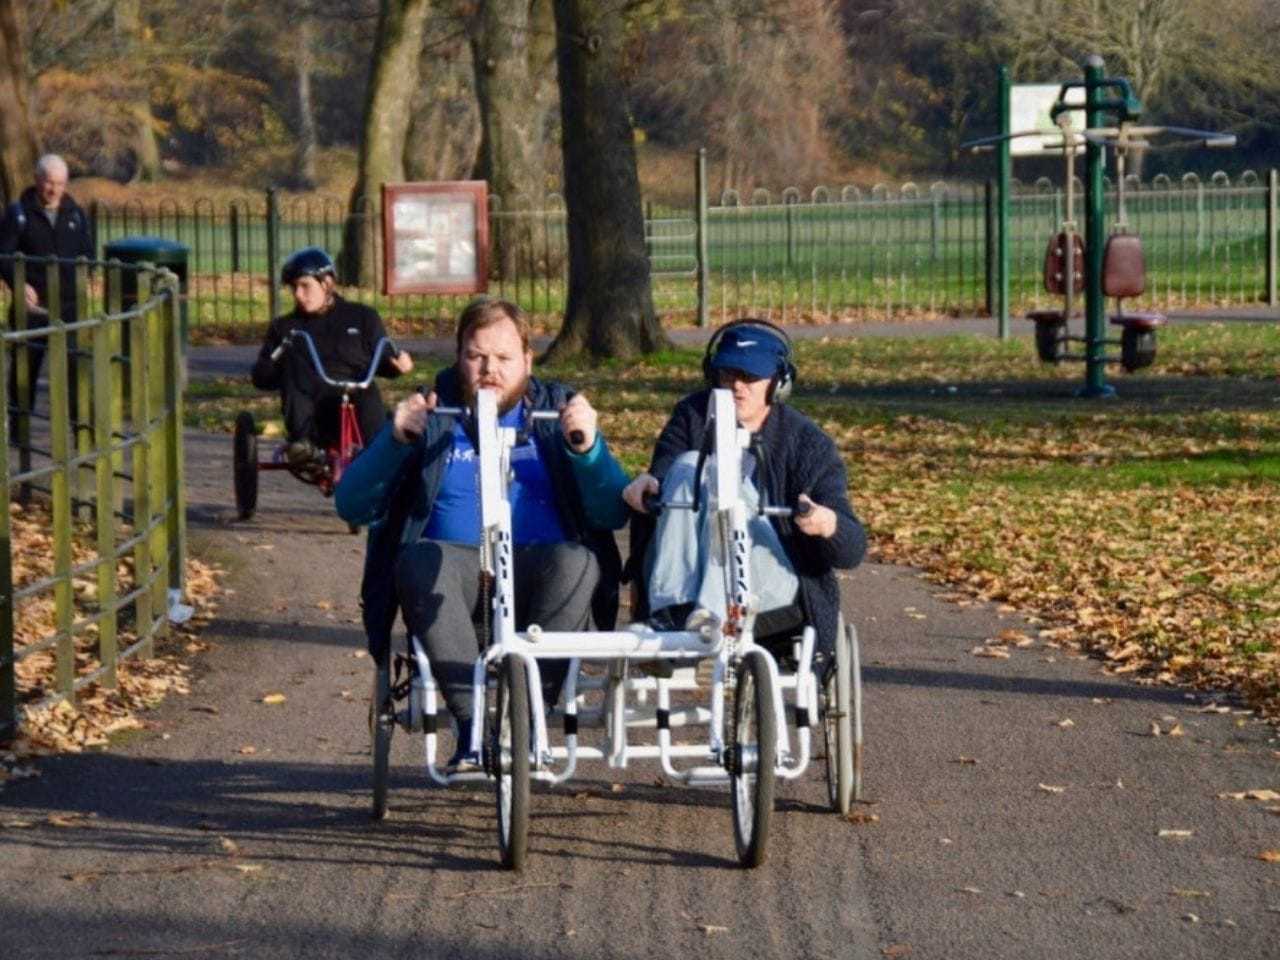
[507, 401]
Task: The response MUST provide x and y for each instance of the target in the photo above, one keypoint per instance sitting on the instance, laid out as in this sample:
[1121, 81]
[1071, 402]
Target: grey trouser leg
[437, 584]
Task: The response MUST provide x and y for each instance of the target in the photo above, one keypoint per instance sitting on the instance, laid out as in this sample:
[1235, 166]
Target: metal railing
[101, 466]
[827, 254]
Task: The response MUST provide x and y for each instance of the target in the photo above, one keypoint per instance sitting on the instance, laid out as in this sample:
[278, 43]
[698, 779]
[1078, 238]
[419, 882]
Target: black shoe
[302, 451]
[464, 759]
[463, 763]
[659, 667]
[667, 619]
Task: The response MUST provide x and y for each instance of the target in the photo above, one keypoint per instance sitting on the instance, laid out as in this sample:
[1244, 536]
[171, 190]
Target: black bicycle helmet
[307, 262]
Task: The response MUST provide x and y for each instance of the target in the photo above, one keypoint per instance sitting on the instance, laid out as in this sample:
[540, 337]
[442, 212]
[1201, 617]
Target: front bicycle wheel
[511, 761]
[245, 465]
[752, 773]
[844, 749]
[382, 723]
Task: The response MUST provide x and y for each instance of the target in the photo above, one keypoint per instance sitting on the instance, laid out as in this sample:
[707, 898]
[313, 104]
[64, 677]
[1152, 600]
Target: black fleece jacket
[25, 229]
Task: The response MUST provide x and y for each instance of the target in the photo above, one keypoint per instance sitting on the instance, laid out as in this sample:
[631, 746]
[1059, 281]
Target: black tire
[831, 738]
[381, 726]
[843, 749]
[511, 762]
[752, 774]
[245, 465]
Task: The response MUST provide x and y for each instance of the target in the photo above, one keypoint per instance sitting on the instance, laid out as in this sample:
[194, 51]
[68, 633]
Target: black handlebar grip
[652, 502]
[803, 508]
[576, 437]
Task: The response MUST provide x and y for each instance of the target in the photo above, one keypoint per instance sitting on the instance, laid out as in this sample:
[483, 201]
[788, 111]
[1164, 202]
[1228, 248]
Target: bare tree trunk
[386, 124]
[146, 150]
[444, 131]
[423, 129]
[512, 51]
[18, 146]
[609, 312]
[303, 65]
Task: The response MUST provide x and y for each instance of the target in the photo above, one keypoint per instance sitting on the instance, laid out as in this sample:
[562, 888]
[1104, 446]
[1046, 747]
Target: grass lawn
[1143, 528]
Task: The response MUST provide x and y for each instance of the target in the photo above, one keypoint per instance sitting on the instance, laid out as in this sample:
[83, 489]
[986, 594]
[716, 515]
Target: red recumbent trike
[324, 472]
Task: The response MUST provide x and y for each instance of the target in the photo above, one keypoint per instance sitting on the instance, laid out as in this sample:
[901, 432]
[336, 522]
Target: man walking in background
[44, 222]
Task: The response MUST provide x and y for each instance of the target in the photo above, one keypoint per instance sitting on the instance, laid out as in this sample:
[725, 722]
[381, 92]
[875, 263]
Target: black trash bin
[158, 252]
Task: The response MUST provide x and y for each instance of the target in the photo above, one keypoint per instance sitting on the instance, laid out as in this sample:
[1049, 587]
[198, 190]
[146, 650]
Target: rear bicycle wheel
[382, 723]
[245, 465]
[511, 762]
[752, 773]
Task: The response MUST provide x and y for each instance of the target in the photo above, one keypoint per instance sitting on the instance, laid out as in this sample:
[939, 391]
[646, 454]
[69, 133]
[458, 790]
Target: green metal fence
[98, 463]
[911, 250]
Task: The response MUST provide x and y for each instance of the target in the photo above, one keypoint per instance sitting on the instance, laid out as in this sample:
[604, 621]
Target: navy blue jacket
[796, 457]
[392, 486]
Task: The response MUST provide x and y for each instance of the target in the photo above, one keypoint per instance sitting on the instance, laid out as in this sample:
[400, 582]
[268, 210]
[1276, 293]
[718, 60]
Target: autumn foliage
[50, 724]
[1140, 529]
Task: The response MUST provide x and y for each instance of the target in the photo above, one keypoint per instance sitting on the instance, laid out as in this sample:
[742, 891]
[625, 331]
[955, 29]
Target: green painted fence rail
[100, 460]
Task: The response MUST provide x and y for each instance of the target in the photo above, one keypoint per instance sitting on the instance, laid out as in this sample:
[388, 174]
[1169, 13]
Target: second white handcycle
[758, 710]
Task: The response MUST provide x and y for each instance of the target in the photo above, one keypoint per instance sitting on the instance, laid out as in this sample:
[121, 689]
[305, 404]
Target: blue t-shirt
[455, 515]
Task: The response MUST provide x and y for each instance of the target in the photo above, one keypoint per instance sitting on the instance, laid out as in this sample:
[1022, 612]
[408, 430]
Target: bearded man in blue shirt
[416, 485]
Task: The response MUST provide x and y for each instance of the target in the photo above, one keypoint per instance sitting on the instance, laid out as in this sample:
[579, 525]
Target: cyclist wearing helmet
[345, 336]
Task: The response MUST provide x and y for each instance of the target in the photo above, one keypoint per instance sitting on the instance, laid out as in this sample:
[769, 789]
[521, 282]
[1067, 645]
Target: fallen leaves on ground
[1169, 580]
[1141, 530]
[1251, 795]
[49, 725]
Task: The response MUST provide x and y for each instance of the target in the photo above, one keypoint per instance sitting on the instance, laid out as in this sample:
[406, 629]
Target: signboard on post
[1029, 106]
[436, 237]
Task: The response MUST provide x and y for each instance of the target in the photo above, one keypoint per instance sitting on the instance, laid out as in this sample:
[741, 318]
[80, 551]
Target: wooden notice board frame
[436, 237]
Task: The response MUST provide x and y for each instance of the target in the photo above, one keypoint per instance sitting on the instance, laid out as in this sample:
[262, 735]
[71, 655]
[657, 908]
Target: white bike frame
[727, 639]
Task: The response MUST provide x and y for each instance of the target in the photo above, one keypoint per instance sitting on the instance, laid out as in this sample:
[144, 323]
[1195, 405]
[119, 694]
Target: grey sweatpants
[438, 587]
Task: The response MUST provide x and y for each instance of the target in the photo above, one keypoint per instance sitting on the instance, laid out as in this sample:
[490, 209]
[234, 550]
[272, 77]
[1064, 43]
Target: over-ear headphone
[784, 377]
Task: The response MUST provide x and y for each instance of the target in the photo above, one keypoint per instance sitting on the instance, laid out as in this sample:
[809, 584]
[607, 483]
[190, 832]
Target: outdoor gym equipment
[1124, 274]
[745, 704]
[1115, 268]
[327, 470]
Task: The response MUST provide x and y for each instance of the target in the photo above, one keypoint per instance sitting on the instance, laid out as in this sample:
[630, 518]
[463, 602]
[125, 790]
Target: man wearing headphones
[791, 461]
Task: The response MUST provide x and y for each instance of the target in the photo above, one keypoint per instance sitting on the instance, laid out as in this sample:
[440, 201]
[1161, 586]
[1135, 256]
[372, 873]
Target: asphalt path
[1015, 807]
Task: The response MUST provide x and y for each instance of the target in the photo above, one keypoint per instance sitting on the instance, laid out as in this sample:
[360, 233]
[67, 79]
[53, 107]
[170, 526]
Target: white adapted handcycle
[758, 715]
